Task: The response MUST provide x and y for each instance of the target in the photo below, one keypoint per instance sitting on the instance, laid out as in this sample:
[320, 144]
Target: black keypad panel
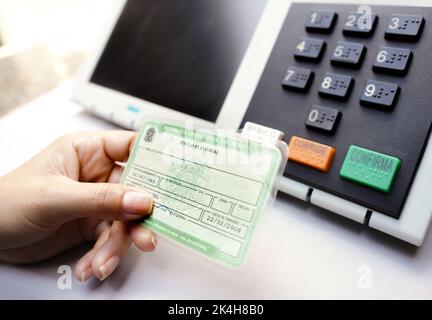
[392, 60]
[336, 86]
[309, 49]
[404, 27]
[348, 54]
[321, 21]
[380, 94]
[360, 25]
[370, 96]
[297, 79]
[323, 119]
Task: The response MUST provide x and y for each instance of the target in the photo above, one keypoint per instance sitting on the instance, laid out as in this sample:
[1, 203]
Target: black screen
[181, 54]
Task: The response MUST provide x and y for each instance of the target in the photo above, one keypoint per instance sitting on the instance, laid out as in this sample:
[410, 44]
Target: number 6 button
[380, 94]
[392, 60]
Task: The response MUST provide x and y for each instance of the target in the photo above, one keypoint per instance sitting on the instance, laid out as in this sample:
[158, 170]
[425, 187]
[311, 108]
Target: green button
[370, 168]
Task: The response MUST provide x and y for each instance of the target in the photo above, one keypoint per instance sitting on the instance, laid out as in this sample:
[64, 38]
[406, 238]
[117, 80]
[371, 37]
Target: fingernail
[138, 203]
[154, 241]
[108, 267]
[148, 236]
[85, 275]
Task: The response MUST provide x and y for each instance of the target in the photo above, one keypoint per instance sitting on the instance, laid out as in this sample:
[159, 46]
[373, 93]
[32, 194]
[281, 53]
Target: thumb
[107, 201]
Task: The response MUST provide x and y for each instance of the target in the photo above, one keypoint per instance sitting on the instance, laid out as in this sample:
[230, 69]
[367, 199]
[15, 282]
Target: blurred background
[42, 43]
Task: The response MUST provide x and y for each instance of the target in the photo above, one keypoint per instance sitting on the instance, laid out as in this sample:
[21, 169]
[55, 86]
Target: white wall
[75, 22]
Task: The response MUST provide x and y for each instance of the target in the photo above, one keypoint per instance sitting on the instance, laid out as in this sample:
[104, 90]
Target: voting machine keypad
[351, 90]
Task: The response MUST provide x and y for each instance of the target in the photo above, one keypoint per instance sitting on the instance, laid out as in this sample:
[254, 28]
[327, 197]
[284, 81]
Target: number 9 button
[392, 60]
[380, 94]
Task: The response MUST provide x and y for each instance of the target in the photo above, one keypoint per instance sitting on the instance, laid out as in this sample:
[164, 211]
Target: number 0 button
[336, 86]
[380, 94]
[323, 119]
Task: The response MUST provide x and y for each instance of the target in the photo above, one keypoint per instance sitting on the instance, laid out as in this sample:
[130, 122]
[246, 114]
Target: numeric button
[348, 54]
[323, 119]
[309, 49]
[380, 94]
[298, 79]
[321, 21]
[360, 25]
[392, 60]
[336, 86]
[403, 27]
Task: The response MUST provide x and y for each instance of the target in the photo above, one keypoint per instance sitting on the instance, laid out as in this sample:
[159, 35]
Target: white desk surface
[305, 252]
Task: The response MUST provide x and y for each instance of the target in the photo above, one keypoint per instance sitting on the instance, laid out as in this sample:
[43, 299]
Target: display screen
[181, 54]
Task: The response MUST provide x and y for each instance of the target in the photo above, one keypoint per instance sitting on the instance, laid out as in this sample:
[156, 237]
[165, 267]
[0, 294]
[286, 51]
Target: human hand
[69, 194]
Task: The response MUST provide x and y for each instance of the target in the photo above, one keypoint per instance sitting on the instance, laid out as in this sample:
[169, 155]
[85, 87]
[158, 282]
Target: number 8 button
[336, 86]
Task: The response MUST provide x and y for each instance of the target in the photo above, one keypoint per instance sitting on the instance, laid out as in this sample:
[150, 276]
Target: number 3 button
[404, 27]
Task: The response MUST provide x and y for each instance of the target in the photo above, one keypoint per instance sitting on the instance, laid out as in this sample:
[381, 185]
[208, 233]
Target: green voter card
[210, 188]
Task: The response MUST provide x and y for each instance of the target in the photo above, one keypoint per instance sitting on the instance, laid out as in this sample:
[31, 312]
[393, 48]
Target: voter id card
[211, 187]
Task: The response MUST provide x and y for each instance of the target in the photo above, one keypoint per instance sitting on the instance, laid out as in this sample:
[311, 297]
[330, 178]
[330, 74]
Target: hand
[69, 194]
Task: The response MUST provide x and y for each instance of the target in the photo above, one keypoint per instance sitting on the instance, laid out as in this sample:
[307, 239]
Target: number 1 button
[321, 21]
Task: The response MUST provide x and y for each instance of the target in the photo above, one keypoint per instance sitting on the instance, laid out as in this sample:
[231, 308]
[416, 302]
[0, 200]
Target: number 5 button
[380, 94]
[392, 60]
[348, 54]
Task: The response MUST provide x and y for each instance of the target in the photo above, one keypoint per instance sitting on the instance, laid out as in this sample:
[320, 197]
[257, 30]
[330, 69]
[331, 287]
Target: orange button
[310, 153]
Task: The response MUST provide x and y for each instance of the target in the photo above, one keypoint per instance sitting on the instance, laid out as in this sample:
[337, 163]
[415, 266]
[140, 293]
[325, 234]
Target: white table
[304, 252]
